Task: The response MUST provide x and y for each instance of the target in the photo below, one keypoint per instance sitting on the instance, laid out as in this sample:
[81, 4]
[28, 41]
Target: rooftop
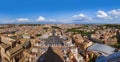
[50, 56]
[15, 49]
[101, 48]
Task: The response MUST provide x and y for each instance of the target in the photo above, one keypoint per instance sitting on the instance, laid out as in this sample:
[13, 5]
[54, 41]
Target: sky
[60, 11]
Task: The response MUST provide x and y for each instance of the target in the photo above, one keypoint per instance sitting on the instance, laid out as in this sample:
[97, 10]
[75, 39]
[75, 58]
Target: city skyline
[60, 11]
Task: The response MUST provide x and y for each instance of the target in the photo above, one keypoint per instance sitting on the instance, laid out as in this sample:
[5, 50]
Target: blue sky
[59, 11]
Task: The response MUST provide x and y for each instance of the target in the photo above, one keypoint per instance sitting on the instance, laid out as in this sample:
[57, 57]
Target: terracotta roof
[4, 46]
[15, 49]
[27, 51]
[4, 60]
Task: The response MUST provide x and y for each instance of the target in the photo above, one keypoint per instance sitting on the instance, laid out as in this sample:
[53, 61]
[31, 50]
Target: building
[4, 48]
[50, 56]
[8, 41]
[76, 55]
[101, 48]
[11, 54]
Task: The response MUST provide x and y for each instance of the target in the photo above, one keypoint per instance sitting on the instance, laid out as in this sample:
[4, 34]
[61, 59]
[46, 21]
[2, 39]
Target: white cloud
[41, 18]
[82, 17]
[79, 16]
[103, 15]
[59, 20]
[8, 21]
[52, 20]
[22, 19]
[114, 13]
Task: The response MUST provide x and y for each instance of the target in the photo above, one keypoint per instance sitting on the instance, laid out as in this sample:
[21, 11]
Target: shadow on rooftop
[50, 56]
